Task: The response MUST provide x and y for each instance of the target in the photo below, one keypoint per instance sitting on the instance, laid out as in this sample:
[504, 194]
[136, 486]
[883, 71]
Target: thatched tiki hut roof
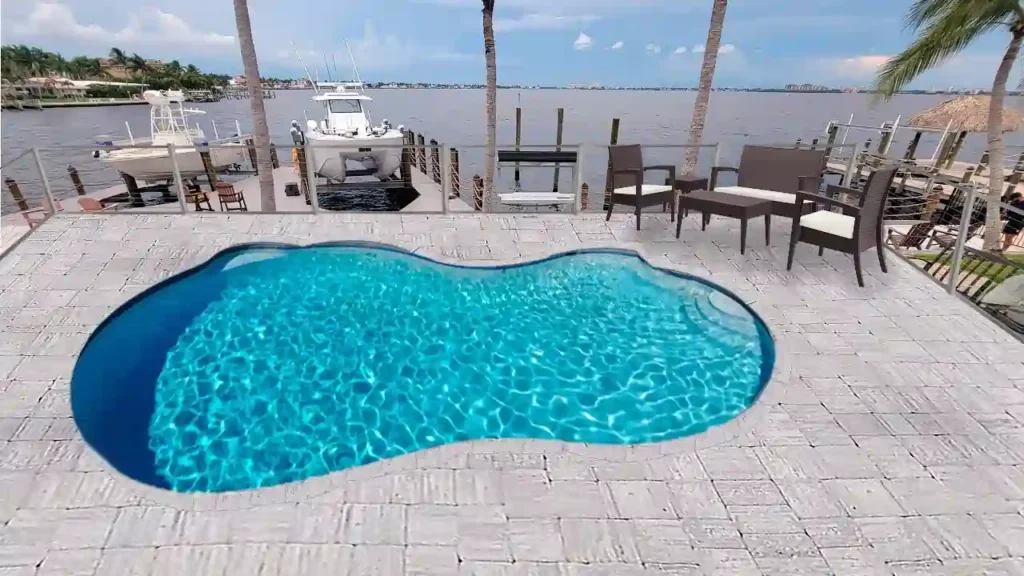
[968, 114]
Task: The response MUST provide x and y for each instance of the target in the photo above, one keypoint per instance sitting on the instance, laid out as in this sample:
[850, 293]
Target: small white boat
[147, 159]
[346, 133]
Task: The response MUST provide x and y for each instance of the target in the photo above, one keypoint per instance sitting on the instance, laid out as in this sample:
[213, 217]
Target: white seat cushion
[832, 223]
[535, 198]
[758, 193]
[644, 189]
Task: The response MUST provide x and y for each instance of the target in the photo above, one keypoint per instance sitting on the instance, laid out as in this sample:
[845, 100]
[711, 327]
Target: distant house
[57, 87]
[237, 81]
[120, 72]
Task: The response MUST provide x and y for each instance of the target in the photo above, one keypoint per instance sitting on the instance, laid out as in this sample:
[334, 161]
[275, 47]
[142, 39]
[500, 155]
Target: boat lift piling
[612, 141]
[76, 180]
[558, 144]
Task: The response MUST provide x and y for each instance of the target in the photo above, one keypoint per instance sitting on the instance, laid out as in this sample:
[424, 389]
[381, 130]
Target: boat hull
[332, 153]
[156, 164]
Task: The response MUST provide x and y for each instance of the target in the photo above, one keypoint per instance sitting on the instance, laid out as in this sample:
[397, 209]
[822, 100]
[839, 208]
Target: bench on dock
[535, 159]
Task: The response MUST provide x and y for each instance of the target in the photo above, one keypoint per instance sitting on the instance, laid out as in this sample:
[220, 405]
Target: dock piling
[273, 157]
[584, 196]
[478, 192]
[833, 130]
[954, 150]
[421, 153]
[912, 147]
[435, 161]
[608, 178]
[456, 185]
[76, 180]
[15, 191]
[558, 144]
[211, 175]
[251, 145]
[407, 164]
[519, 133]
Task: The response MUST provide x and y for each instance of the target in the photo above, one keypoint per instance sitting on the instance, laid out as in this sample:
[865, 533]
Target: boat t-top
[147, 159]
[346, 133]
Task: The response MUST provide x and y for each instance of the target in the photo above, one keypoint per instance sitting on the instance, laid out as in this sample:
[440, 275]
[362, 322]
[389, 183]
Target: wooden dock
[429, 199]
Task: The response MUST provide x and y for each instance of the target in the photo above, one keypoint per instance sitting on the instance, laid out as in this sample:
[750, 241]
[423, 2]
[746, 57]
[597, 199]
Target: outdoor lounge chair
[627, 176]
[775, 174]
[854, 230]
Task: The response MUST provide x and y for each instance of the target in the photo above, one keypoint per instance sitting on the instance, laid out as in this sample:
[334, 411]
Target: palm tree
[260, 133]
[118, 56]
[945, 28]
[173, 69]
[137, 64]
[492, 97]
[707, 78]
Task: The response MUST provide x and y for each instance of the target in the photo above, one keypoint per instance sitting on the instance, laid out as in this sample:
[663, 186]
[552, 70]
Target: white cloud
[722, 49]
[149, 27]
[583, 42]
[859, 66]
[653, 49]
[377, 52]
[680, 50]
[617, 46]
[542, 21]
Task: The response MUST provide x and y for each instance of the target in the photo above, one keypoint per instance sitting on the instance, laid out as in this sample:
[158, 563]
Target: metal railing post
[961, 237]
[446, 177]
[47, 192]
[177, 179]
[311, 179]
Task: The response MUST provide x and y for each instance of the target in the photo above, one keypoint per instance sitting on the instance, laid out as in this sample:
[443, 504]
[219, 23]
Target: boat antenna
[327, 67]
[306, 70]
[335, 60]
[355, 69]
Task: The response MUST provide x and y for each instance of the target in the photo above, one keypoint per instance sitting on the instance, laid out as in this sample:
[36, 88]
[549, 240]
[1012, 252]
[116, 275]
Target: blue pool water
[271, 365]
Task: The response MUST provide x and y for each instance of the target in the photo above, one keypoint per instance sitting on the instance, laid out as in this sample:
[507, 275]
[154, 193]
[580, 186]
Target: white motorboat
[346, 133]
[148, 159]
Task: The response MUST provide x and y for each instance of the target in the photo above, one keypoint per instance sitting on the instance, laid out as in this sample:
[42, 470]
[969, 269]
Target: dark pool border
[767, 397]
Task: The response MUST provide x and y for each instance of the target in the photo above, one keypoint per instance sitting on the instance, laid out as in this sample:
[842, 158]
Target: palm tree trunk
[707, 78]
[492, 97]
[995, 141]
[260, 132]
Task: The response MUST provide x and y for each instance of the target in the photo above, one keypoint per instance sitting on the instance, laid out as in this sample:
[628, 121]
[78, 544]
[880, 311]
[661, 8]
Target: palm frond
[949, 27]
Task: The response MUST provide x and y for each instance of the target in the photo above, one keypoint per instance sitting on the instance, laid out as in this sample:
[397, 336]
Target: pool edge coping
[436, 457]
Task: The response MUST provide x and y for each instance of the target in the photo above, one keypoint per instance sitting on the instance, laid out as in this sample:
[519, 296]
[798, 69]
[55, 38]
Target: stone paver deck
[894, 444]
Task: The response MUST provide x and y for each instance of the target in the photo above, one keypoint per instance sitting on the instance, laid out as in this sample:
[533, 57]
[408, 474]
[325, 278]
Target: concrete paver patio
[893, 444]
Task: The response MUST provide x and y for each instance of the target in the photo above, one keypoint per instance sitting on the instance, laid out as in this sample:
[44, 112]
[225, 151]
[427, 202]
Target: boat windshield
[345, 106]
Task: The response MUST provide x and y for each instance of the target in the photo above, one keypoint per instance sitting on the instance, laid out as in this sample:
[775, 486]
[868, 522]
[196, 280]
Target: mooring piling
[76, 180]
[421, 153]
[612, 141]
[558, 144]
[435, 161]
[456, 186]
[478, 192]
[15, 191]
[519, 134]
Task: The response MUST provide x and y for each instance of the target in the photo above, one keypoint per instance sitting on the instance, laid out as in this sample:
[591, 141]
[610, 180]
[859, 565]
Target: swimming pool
[271, 364]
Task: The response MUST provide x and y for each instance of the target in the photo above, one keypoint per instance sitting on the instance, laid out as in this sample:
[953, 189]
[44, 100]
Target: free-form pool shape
[271, 364]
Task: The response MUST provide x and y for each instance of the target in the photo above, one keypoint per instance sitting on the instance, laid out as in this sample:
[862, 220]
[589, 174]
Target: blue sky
[610, 42]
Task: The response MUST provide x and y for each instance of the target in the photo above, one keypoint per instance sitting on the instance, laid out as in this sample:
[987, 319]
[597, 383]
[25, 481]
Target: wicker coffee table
[730, 205]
